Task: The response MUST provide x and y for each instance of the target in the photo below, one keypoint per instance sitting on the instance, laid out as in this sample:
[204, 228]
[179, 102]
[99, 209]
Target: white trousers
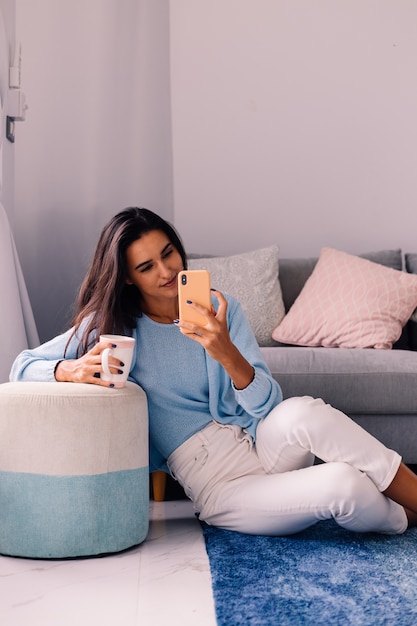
[273, 488]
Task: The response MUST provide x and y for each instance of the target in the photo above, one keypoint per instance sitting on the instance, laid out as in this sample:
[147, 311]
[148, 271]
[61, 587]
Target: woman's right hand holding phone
[215, 338]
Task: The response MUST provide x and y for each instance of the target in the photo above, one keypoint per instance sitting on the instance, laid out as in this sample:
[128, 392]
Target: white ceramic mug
[123, 351]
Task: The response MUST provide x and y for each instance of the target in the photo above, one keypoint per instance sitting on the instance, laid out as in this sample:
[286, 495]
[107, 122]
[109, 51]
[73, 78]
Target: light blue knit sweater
[185, 387]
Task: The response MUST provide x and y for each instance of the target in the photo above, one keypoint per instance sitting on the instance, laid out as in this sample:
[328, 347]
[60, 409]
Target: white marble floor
[165, 580]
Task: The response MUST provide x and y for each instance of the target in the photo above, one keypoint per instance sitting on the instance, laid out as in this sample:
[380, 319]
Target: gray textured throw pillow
[252, 278]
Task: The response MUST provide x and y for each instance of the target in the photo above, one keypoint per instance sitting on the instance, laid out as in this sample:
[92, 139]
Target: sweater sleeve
[262, 394]
[39, 363]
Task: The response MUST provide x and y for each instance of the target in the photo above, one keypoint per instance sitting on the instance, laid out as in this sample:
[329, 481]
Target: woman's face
[153, 264]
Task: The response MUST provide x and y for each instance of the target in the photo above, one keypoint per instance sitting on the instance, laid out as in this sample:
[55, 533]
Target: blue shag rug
[324, 575]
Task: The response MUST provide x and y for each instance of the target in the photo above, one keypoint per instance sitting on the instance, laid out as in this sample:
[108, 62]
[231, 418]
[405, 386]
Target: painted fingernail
[176, 321]
[113, 345]
[213, 289]
[111, 385]
[122, 364]
[120, 371]
[188, 301]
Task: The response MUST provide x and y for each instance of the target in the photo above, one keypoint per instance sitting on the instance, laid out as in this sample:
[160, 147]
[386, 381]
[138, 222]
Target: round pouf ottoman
[74, 476]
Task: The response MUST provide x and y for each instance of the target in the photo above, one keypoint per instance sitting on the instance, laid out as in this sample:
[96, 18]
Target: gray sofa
[377, 388]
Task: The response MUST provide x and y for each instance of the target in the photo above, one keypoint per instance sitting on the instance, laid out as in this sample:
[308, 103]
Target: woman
[217, 418]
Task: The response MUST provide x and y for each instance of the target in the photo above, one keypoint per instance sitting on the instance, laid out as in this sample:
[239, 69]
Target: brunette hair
[105, 300]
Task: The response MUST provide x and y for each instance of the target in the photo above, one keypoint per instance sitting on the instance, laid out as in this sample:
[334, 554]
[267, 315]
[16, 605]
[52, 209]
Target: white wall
[294, 122]
[96, 139]
[7, 29]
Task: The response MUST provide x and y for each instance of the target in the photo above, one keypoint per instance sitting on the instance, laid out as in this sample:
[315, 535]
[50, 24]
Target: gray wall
[246, 122]
[294, 122]
[96, 139]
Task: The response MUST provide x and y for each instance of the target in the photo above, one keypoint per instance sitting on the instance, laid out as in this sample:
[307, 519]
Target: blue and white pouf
[74, 475]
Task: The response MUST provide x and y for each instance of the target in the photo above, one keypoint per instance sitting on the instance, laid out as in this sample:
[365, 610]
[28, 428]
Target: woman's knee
[298, 408]
[351, 488]
[343, 479]
[356, 503]
[283, 442]
[289, 414]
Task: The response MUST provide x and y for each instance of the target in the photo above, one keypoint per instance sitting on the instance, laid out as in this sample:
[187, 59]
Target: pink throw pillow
[349, 302]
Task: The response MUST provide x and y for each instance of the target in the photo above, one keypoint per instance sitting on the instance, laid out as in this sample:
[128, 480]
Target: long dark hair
[105, 300]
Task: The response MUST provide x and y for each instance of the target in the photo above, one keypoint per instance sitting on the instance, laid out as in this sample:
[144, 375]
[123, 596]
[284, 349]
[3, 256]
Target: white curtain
[17, 324]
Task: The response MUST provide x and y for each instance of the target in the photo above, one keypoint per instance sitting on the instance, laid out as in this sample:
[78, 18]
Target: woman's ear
[128, 281]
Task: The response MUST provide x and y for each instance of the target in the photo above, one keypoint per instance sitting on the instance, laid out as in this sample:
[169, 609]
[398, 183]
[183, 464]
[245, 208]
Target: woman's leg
[287, 503]
[403, 489]
[301, 425]
[304, 426]
[223, 475]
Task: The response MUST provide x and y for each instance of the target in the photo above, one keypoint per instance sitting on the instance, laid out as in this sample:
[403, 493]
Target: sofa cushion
[411, 267]
[411, 262]
[349, 302]
[358, 382]
[252, 278]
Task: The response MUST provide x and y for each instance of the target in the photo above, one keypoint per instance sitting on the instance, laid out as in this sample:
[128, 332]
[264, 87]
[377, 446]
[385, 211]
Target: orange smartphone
[193, 285]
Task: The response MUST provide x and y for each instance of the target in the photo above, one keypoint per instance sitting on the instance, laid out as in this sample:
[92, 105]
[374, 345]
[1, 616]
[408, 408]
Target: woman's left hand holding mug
[87, 368]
